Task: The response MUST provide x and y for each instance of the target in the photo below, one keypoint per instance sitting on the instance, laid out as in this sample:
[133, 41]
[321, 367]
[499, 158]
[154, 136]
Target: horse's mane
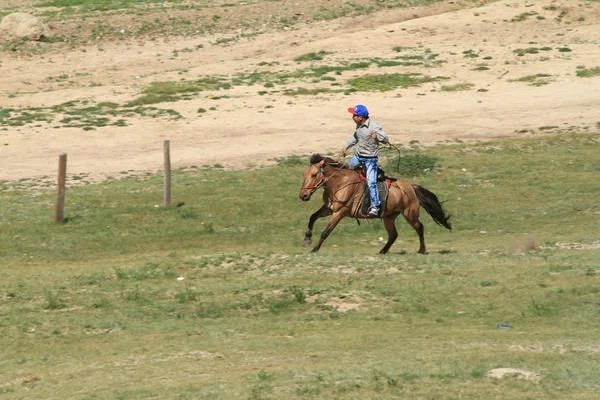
[317, 158]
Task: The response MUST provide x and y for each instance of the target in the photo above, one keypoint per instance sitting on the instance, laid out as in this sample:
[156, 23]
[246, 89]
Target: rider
[367, 135]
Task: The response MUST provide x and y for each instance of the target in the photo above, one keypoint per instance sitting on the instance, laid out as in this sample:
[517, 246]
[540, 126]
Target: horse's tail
[432, 205]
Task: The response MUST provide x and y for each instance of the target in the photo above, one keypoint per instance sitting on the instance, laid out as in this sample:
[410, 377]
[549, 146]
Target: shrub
[411, 164]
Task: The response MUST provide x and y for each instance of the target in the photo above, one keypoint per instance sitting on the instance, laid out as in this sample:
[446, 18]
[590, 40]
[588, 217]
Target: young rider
[366, 137]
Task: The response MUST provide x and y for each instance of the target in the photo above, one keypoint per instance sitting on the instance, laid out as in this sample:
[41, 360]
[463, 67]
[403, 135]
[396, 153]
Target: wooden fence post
[60, 197]
[167, 187]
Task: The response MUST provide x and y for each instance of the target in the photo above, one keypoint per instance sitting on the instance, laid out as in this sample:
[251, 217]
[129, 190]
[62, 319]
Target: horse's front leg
[335, 219]
[320, 213]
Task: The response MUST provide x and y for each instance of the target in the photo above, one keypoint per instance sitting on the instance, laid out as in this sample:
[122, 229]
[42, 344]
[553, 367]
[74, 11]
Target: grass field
[93, 308]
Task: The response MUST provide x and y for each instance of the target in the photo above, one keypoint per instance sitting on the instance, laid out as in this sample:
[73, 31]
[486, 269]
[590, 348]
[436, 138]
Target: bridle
[322, 182]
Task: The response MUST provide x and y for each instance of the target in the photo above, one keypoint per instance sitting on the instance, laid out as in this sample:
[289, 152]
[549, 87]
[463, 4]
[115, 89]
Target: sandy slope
[250, 129]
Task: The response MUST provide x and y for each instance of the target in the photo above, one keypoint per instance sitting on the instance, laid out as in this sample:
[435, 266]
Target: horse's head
[313, 177]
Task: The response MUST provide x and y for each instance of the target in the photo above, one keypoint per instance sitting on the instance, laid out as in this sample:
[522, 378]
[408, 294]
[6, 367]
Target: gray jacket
[367, 146]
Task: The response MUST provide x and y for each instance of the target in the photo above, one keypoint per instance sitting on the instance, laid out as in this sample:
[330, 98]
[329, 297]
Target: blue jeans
[371, 164]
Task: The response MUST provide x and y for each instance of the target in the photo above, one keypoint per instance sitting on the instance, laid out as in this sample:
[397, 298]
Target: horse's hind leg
[412, 217]
[420, 231]
[320, 213]
[390, 226]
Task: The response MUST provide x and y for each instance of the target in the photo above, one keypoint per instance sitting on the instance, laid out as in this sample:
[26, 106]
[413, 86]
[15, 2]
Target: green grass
[160, 92]
[459, 87]
[534, 80]
[353, 9]
[21, 46]
[101, 4]
[82, 114]
[419, 56]
[235, 39]
[172, 91]
[470, 54]
[312, 56]
[588, 72]
[310, 92]
[13, 117]
[411, 163]
[386, 82]
[530, 50]
[173, 88]
[523, 16]
[481, 67]
[93, 308]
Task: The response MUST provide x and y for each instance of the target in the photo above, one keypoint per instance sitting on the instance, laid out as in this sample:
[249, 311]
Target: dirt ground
[246, 128]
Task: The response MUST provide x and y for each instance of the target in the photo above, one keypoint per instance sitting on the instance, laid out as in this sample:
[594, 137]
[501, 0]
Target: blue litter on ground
[505, 326]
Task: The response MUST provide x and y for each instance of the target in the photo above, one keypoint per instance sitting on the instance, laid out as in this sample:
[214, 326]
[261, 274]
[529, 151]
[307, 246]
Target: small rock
[30, 379]
[23, 25]
[500, 373]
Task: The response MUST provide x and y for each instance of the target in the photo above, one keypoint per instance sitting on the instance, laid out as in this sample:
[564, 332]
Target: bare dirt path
[247, 128]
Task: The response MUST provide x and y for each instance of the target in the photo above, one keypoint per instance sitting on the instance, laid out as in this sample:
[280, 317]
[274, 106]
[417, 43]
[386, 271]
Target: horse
[343, 194]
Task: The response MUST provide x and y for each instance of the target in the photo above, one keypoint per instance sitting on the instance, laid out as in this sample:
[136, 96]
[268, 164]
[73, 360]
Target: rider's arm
[379, 135]
[351, 142]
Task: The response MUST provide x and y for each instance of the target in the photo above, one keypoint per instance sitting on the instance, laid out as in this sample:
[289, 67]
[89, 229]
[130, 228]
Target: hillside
[222, 84]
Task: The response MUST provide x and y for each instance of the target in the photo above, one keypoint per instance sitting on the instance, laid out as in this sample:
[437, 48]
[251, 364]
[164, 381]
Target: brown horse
[343, 198]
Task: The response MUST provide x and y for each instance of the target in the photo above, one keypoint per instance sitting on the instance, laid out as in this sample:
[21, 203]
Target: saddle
[383, 185]
[362, 172]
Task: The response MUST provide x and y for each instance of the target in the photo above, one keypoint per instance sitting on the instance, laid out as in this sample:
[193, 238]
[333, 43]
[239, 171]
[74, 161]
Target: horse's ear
[316, 158]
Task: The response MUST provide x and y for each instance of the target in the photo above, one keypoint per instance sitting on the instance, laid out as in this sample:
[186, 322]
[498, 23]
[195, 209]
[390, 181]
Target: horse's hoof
[314, 250]
[306, 243]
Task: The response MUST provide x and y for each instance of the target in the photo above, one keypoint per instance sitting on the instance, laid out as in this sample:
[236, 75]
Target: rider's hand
[374, 135]
[343, 152]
